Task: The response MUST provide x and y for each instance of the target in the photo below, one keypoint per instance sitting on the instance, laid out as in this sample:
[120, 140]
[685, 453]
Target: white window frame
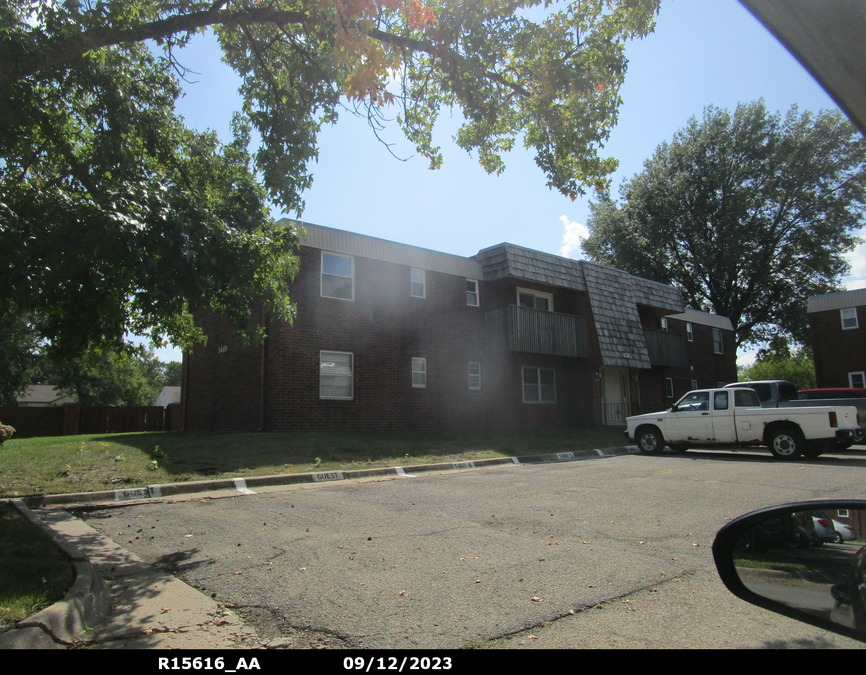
[338, 276]
[473, 295]
[851, 313]
[842, 513]
[857, 373]
[474, 377]
[536, 294]
[718, 344]
[419, 372]
[690, 331]
[322, 356]
[663, 322]
[537, 384]
[413, 282]
[669, 387]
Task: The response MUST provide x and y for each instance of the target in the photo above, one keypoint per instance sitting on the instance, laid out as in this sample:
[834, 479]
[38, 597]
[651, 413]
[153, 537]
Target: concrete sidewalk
[120, 602]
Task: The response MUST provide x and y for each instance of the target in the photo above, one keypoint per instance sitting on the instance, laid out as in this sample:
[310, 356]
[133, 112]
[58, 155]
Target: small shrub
[5, 432]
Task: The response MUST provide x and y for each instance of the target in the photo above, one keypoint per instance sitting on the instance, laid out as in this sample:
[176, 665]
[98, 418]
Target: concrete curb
[157, 491]
[89, 599]
[84, 605]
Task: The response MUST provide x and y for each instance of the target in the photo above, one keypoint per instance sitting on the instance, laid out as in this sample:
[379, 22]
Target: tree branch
[16, 66]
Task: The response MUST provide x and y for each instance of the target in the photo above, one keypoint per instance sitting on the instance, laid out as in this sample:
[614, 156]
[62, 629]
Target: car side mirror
[806, 561]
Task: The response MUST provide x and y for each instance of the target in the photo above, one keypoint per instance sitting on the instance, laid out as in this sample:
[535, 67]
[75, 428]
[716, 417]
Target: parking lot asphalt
[120, 602]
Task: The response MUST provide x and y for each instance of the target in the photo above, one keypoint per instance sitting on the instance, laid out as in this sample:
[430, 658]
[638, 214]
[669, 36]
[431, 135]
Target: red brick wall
[837, 352]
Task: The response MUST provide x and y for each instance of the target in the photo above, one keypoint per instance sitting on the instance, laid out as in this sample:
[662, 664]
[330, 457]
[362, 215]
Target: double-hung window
[474, 375]
[535, 299]
[690, 332]
[419, 372]
[418, 284]
[849, 318]
[669, 387]
[857, 380]
[663, 322]
[717, 341]
[336, 375]
[338, 276]
[472, 293]
[539, 385]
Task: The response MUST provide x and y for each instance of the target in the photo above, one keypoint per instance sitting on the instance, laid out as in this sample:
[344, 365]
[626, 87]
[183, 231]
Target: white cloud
[574, 234]
[857, 278]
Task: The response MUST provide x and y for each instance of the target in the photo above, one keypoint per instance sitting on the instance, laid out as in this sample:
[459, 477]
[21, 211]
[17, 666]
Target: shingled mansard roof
[613, 294]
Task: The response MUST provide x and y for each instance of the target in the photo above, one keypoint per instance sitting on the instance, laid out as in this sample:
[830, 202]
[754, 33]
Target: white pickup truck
[719, 418]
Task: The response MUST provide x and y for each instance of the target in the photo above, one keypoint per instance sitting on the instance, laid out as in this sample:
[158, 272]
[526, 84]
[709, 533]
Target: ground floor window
[474, 375]
[857, 380]
[336, 375]
[669, 387]
[419, 372]
[539, 385]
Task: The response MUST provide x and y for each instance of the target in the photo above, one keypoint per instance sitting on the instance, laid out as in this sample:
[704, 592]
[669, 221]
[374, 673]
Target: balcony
[523, 329]
[666, 349]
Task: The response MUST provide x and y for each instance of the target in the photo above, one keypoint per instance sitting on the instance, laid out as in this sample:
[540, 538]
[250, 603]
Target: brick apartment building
[836, 321]
[391, 336]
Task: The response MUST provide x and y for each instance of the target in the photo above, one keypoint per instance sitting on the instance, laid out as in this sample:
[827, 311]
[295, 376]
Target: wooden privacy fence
[73, 419]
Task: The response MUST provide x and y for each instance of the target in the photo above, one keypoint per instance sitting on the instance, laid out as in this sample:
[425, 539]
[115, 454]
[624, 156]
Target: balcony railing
[523, 329]
[666, 349]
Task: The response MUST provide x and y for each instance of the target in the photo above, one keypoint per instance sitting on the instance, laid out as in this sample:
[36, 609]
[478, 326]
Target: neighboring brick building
[393, 336]
[839, 338]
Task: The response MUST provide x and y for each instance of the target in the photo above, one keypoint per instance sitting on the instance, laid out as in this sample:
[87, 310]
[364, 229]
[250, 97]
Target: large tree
[115, 217]
[747, 213]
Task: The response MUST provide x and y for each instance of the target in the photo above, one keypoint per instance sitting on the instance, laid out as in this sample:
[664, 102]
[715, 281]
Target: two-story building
[392, 336]
[836, 321]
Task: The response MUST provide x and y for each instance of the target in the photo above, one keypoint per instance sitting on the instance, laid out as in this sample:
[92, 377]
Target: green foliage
[748, 214]
[131, 377]
[797, 368]
[115, 218]
[171, 373]
[21, 359]
[6, 432]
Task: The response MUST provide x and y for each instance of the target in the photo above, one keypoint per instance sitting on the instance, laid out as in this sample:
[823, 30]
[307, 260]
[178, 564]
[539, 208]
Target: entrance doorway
[615, 395]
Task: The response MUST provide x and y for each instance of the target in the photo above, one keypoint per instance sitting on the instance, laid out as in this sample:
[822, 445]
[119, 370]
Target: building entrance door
[615, 395]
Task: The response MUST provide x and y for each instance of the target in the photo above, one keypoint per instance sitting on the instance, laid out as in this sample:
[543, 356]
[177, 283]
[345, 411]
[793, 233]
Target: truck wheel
[786, 443]
[650, 441]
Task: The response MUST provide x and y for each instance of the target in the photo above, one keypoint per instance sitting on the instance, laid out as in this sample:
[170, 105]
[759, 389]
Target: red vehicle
[842, 392]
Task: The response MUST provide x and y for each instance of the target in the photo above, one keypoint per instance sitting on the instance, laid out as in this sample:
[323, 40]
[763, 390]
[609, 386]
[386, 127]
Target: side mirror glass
[806, 561]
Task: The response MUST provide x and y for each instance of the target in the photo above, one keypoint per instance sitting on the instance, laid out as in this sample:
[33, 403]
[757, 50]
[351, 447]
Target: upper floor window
[690, 332]
[857, 380]
[338, 276]
[336, 375]
[472, 293]
[535, 299]
[849, 318]
[718, 347]
[418, 283]
[419, 372]
[474, 375]
[663, 322]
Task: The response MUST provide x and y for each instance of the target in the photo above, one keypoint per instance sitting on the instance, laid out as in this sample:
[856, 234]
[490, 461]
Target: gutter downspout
[264, 374]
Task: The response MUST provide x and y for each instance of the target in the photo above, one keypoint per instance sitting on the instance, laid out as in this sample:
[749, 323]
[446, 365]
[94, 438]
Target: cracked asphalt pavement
[612, 553]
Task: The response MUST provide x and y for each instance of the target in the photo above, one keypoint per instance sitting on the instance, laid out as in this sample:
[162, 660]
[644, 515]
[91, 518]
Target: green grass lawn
[62, 464]
[33, 572]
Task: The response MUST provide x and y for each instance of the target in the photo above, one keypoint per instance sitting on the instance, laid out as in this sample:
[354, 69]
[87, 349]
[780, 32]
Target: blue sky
[706, 52]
